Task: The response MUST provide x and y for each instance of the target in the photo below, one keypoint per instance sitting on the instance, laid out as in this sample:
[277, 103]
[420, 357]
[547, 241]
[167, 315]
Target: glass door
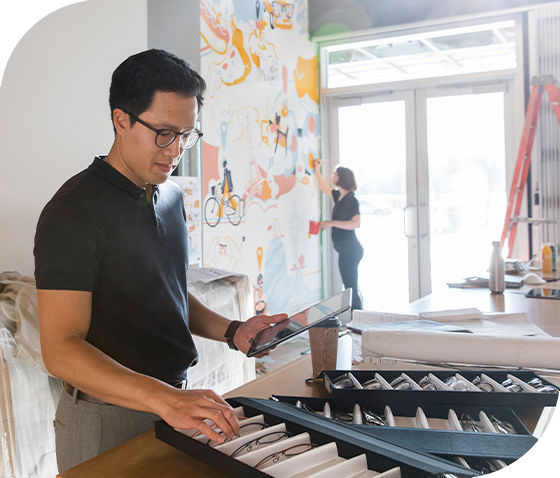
[430, 165]
[464, 157]
[377, 144]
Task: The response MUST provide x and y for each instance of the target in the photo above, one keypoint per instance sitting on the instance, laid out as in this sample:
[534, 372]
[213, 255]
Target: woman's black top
[344, 210]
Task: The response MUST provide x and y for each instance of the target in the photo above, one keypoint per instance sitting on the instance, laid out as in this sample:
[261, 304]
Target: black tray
[451, 398]
[439, 442]
[381, 455]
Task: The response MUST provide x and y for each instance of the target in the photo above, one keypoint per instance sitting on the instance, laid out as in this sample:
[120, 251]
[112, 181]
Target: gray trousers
[84, 430]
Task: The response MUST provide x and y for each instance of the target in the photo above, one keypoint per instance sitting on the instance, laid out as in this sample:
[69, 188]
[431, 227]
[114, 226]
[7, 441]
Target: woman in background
[345, 221]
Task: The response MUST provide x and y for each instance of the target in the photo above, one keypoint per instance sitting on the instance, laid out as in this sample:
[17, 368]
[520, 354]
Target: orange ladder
[539, 85]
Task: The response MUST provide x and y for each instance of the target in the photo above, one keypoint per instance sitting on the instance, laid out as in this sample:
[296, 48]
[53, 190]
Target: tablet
[314, 315]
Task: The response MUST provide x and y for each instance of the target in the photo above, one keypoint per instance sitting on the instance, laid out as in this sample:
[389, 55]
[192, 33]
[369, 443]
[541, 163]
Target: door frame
[417, 214]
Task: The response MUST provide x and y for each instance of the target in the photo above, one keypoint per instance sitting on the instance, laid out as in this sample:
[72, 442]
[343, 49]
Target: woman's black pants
[349, 257]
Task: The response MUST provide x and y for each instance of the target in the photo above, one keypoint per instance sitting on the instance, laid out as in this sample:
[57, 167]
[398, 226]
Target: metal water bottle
[497, 282]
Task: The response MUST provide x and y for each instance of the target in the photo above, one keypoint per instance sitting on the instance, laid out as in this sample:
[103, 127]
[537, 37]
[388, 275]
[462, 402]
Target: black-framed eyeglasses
[263, 440]
[164, 137]
[287, 9]
[283, 455]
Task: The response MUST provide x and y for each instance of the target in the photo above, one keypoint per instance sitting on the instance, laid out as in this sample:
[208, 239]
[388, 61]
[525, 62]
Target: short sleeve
[67, 247]
[354, 208]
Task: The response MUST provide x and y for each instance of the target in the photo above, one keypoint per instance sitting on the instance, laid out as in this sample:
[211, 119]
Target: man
[111, 262]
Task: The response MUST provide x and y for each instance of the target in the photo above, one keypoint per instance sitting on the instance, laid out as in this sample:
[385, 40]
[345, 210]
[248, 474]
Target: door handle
[409, 222]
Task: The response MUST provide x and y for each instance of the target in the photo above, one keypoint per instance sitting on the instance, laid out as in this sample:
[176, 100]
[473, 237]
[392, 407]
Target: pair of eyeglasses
[503, 427]
[512, 386]
[456, 385]
[484, 385]
[279, 8]
[261, 441]
[469, 424]
[164, 137]
[372, 384]
[401, 383]
[346, 380]
[285, 454]
[373, 418]
[259, 425]
[537, 384]
[427, 384]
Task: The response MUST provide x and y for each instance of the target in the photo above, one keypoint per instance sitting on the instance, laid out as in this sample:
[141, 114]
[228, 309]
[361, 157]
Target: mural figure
[227, 183]
[223, 254]
[280, 13]
[234, 67]
[274, 127]
[261, 299]
[230, 205]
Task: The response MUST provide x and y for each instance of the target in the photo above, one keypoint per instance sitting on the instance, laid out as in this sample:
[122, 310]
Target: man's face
[138, 157]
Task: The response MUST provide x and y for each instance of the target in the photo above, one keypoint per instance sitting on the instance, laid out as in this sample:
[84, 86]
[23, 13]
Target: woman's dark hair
[346, 178]
[136, 80]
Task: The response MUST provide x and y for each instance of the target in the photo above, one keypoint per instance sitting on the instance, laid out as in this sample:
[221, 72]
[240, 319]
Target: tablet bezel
[252, 352]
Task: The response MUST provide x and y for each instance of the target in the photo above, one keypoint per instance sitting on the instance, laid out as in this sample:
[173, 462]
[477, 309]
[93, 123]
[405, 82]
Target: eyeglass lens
[186, 140]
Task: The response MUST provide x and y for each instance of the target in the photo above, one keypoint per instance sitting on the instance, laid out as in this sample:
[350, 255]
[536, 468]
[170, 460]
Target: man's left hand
[249, 330]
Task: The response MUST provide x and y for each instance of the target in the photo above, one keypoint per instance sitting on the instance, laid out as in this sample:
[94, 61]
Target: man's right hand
[187, 409]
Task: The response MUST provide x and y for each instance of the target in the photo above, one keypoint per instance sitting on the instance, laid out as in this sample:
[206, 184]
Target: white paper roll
[537, 352]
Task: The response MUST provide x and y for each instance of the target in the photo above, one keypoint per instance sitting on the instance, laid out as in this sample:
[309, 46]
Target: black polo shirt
[344, 210]
[100, 234]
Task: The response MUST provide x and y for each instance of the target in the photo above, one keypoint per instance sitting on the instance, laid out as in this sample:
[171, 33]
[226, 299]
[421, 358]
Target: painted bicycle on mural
[223, 203]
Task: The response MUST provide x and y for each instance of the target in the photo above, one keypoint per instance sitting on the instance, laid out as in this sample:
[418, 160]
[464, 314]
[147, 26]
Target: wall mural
[261, 131]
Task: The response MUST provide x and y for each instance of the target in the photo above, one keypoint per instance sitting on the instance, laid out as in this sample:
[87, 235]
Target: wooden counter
[145, 456]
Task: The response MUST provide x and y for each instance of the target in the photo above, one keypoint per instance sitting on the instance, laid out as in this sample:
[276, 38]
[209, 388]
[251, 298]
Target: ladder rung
[536, 220]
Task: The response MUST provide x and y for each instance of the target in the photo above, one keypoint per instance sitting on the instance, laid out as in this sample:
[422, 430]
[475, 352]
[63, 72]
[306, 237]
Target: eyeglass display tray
[446, 443]
[420, 397]
[382, 455]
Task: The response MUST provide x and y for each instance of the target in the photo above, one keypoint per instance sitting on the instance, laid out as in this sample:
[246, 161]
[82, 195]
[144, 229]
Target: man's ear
[121, 120]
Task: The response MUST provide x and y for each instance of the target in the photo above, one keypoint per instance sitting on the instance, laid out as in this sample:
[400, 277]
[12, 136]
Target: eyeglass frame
[287, 9]
[261, 424]
[276, 456]
[158, 132]
[249, 445]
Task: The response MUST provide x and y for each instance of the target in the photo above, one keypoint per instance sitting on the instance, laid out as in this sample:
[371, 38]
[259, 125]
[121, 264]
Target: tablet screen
[301, 321]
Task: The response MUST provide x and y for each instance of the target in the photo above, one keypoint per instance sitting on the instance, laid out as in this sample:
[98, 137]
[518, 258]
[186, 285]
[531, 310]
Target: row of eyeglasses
[280, 453]
[487, 423]
[455, 382]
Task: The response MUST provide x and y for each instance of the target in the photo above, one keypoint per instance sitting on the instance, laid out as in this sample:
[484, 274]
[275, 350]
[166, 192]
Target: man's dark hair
[346, 178]
[136, 80]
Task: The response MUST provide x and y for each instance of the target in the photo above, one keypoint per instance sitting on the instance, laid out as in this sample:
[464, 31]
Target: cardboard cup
[314, 227]
[323, 339]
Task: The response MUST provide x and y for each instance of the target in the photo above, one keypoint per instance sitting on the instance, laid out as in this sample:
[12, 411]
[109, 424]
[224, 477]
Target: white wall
[54, 111]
